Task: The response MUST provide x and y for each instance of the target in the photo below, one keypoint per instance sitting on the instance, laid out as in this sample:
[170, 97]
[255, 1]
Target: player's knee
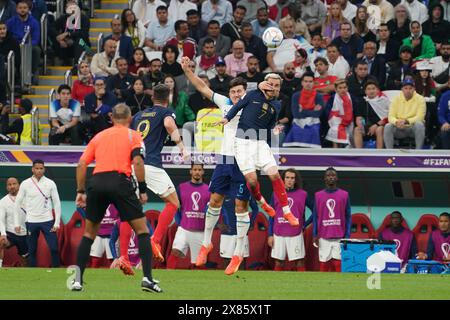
[215, 201]
[241, 206]
[177, 253]
[273, 173]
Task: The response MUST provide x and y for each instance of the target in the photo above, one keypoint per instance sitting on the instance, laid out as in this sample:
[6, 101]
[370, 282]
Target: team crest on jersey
[265, 106]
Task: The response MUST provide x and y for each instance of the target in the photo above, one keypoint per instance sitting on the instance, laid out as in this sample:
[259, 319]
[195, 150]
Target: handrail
[51, 98]
[68, 78]
[130, 4]
[44, 37]
[35, 136]
[59, 8]
[26, 36]
[81, 58]
[26, 60]
[11, 74]
[91, 4]
[99, 42]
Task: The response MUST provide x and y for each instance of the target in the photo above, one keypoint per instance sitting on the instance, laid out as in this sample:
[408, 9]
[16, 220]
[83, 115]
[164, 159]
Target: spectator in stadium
[300, 26]
[133, 28]
[306, 107]
[440, 67]
[361, 28]
[436, 26]
[349, 45]
[332, 24]
[154, 76]
[357, 80]
[18, 25]
[137, 99]
[438, 248]
[252, 76]
[371, 115]
[376, 63]
[222, 43]
[3, 100]
[170, 64]
[421, 44]
[400, 69]
[120, 83]
[399, 26]
[187, 47]
[221, 82]
[197, 26]
[100, 246]
[205, 64]
[98, 106]
[72, 29]
[323, 82]
[262, 22]
[233, 28]
[139, 63]
[190, 218]
[254, 45]
[287, 241]
[313, 12]
[65, 115]
[197, 101]
[387, 46]
[21, 126]
[316, 51]
[331, 202]
[386, 8]
[417, 10]
[9, 237]
[124, 44]
[349, 10]
[7, 9]
[9, 43]
[444, 119]
[301, 63]
[251, 7]
[178, 9]
[446, 5]
[145, 10]
[236, 62]
[103, 64]
[290, 82]
[340, 115]
[178, 101]
[219, 10]
[38, 8]
[278, 10]
[406, 247]
[277, 57]
[159, 31]
[39, 197]
[338, 66]
[406, 116]
[84, 84]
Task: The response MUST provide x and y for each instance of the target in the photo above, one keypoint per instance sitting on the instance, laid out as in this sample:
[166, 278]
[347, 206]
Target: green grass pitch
[22, 283]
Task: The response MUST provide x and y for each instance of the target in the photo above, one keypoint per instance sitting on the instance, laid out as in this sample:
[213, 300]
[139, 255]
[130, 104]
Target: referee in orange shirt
[114, 150]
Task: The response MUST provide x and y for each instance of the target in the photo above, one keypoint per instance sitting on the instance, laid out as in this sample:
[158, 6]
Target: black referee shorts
[112, 188]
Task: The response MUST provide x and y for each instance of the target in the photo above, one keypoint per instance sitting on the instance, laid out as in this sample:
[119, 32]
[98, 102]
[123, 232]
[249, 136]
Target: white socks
[212, 216]
[1, 263]
[242, 226]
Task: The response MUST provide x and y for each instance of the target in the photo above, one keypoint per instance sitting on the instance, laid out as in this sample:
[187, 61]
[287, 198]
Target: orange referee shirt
[112, 149]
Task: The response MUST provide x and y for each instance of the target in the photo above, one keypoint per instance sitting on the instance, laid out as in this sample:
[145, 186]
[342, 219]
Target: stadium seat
[312, 253]
[73, 232]
[386, 222]
[362, 228]
[259, 249]
[172, 262]
[424, 227]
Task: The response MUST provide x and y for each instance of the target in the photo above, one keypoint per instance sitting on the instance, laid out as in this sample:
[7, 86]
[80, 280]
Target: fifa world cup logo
[398, 244]
[291, 203]
[195, 197]
[331, 204]
[445, 247]
[132, 244]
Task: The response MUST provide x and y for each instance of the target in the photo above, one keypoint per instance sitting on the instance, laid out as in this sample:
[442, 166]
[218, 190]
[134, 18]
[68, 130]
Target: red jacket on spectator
[80, 90]
[273, 12]
[187, 48]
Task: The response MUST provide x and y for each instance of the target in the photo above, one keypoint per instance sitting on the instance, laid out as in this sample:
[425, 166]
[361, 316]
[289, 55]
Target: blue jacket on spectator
[444, 108]
[125, 46]
[38, 9]
[349, 49]
[9, 12]
[18, 28]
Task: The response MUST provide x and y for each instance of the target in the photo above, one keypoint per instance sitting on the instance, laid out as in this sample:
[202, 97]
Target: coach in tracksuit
[38, 195]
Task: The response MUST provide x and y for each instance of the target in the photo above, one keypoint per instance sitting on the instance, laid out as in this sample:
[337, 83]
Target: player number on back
[143, 128]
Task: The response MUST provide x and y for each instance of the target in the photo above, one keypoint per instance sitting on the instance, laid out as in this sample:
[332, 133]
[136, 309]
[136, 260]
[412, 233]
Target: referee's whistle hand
[143, 198]
[81, 200]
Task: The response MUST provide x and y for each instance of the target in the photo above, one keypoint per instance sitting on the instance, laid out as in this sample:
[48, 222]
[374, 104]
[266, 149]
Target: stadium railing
[51, 98]
[44, 37]
[68, 78]
[91, 8]
[59, 8]
[99, 42]
[26, 61]
[130, 4]
[35, 132]
[11, 71]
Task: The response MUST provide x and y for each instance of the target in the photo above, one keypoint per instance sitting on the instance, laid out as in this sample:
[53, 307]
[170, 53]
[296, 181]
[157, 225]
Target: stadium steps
[100, 23]
[54, 81]
[114, 4]
[106, 13]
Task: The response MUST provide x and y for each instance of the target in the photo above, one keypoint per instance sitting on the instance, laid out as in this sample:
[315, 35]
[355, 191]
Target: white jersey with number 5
[229, 130]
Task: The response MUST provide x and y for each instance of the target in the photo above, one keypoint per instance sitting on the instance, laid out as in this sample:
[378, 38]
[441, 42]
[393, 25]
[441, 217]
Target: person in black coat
[9, 10]
[400, 69]
[137, 99]
[254, 45]
[7, 44]
[126, 43]
[436, 27]
[357, 80]
[376, 63]
[399, 26]
[387, 47]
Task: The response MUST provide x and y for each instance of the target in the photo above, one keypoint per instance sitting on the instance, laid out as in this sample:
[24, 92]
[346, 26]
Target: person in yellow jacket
[21, 127]
[406, 116]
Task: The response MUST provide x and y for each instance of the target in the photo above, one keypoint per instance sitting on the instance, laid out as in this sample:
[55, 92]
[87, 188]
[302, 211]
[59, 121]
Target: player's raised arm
[196, 81]
[172, 130]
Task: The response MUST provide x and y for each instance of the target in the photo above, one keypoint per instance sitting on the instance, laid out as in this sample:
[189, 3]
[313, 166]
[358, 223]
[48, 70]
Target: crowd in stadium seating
[404, 52]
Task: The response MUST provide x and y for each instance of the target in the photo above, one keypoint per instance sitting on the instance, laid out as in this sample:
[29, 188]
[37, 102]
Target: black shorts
[112, 188]
[20, 242]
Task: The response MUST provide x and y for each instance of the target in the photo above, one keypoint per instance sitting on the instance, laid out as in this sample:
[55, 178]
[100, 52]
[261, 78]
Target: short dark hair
[192, 12]
[155, 59]
[246, 24]
[384, 25]
[172, 48]
[253, 57]
[179, 23]
[445, 43]
[330, 169]
[27, 105]
[121, 58]
[64, 87]
[238, 81]
[161, 92]
[307, 74]
[321, 59]
[213, 22]
[445, 214]
[397, 212]
[197, 164]
[371, 82]
[38, 161]
[360, 62]
[261, 9]
[23, 1]
[240, 7]
[207, 41]
[345, 23]
[332, 45]
[161, 8]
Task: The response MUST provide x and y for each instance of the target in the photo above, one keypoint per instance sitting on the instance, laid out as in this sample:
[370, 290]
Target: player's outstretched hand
[185, 63]
[186, 155]
[143, 198]
[224, 121]
[278, 129]
[81, 200]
